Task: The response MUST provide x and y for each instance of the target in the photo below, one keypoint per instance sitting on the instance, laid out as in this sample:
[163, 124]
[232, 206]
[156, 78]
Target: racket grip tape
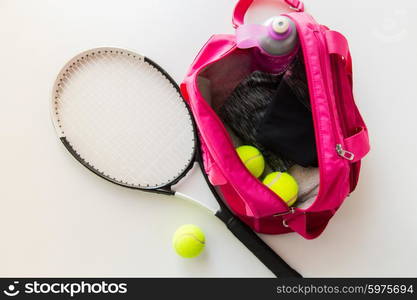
[257, 246]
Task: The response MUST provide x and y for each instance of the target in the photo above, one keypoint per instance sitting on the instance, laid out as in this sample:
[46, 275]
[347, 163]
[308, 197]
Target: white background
[58, 219]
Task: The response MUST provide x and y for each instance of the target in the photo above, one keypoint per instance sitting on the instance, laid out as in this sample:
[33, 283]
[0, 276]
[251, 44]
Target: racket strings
[124, 119]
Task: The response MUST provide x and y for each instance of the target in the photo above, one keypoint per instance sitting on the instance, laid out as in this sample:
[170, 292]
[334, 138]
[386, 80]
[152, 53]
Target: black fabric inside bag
[245, 109]
[287, 128]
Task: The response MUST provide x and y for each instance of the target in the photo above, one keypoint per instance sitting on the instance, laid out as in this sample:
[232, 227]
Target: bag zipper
[341, 109]
[347, 155]
[344, 153]
[337, 127]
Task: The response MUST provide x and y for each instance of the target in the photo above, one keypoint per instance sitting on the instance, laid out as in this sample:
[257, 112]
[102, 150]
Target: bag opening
[270, 111]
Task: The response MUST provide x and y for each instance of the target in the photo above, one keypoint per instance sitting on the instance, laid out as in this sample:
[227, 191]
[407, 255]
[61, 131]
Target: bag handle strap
[242, 7]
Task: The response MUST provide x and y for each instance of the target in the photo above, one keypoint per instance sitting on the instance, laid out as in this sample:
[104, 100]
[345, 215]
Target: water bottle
[275, 43]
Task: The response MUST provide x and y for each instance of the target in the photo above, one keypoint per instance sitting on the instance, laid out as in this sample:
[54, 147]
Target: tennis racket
[122, 117]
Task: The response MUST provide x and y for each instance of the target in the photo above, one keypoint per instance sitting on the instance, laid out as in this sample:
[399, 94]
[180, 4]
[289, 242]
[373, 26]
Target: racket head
[122, 117]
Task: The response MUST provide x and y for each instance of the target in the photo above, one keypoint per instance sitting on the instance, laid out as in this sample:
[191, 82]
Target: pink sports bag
[341, 136]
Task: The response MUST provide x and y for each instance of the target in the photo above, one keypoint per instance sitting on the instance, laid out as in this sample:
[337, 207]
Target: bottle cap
[280, 25]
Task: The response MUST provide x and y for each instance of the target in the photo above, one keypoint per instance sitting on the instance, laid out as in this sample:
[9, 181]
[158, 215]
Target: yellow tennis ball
[284, 185]
[253, 160]
[188, 241]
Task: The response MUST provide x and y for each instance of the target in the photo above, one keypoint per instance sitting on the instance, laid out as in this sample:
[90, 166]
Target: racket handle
[257, 246]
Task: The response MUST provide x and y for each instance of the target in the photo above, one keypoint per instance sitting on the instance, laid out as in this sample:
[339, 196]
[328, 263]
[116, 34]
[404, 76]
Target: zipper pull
[344, 153]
